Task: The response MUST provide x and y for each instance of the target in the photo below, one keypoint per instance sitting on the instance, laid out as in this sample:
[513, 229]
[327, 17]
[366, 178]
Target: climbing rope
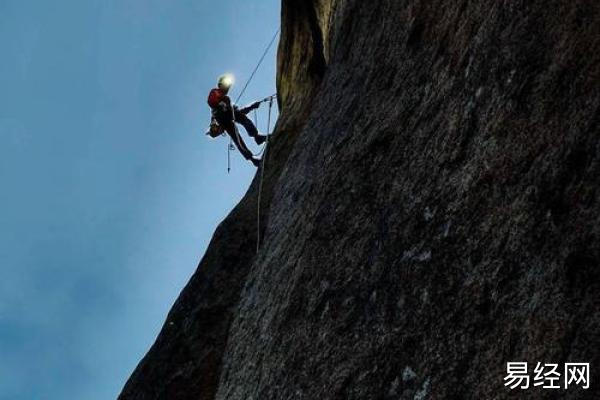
[229, 146]
[266, 99]
[264, 149]
[262, 174]
[261, 151]
[209, 277]
[262, 58]
[237, 133]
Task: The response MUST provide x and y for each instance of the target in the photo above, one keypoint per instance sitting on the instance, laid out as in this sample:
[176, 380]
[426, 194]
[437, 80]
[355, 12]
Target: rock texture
[431, 206]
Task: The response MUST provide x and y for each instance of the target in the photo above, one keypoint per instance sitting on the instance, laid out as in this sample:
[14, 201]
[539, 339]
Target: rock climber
[225, 115]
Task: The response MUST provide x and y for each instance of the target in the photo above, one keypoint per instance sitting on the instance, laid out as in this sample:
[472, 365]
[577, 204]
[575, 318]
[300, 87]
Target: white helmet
[225, 82]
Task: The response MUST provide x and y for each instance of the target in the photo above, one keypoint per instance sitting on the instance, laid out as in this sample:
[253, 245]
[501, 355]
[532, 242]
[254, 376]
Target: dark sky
[109, 189]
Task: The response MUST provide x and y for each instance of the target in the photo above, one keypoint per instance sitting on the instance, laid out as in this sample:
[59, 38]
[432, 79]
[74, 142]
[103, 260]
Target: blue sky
[109, 190]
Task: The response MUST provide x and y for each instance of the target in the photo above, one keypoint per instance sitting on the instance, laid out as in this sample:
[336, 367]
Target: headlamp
[228, 80]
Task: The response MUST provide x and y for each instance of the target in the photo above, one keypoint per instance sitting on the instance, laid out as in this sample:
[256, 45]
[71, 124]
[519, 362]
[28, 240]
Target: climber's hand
[255, 105]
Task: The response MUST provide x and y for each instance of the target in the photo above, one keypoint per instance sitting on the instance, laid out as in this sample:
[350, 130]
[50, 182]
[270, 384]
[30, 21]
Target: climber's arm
[249, 108]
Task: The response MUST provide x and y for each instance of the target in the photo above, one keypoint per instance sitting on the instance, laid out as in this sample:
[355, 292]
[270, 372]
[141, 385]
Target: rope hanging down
[262, 174]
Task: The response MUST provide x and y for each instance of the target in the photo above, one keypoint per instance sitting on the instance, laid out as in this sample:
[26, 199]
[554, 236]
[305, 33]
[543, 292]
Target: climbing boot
[260, 139]
[255, 161]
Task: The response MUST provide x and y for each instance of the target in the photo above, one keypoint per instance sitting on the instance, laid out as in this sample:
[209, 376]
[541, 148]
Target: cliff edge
[431, 212]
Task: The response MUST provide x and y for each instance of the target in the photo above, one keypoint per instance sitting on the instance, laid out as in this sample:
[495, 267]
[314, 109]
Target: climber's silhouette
[225, 114]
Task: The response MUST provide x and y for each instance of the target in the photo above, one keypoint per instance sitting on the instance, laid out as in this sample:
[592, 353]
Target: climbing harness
[215, 129]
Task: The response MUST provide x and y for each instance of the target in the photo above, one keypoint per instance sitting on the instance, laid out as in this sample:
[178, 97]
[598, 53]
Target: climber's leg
[249, 126]
[239, 143]
[246, 123]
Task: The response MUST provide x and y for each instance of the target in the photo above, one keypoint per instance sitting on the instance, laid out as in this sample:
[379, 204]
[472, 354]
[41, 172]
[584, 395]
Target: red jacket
[216, 97]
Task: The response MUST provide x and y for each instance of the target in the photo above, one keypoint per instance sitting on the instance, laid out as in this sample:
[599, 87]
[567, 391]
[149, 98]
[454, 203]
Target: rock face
[431, 212]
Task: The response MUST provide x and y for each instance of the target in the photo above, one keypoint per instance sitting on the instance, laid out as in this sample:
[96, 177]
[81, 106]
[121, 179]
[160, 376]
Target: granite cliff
[430, 213]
